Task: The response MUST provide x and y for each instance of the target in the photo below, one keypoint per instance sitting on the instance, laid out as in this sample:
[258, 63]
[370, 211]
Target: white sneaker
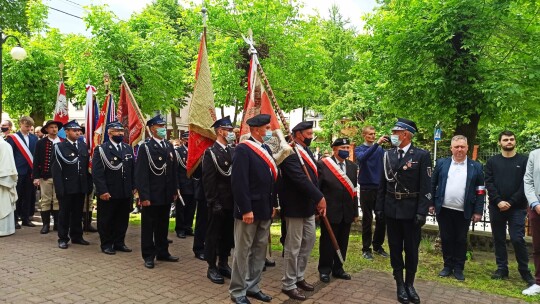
[533, 290]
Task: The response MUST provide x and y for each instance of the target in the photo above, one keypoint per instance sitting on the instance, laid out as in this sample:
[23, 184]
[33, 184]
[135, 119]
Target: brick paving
[34, 270]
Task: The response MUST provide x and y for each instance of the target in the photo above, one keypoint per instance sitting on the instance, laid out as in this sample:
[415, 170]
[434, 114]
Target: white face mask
[231, 138]
[394, 138]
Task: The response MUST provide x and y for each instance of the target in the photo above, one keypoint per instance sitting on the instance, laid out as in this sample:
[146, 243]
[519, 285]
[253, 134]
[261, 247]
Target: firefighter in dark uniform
[404, 198]
[184, 213]
[72, 182]
[337, 181]
[113, 168]
[157, 184]
[216, 176]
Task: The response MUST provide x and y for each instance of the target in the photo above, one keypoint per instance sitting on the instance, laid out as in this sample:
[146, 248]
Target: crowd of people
[238, 186]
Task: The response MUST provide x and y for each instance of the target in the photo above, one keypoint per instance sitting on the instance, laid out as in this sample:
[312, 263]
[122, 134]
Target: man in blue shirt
[369, 158]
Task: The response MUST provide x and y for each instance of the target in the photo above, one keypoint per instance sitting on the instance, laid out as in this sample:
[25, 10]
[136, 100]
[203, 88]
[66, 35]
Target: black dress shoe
[445, 272]
[402, 295]
[181, 234]
[240, 300]
[259, 296]
[294, 294]
[305, 285]
[17, 225]
[45, 229]
[80, 242]
[169, 241]
[413, 296]
[62, 245]
[149, 263]
[28, 224]
[225, 270]
[169, 258]
[200, 256]
[325, 278]
[214, 276]
[458, 274]
[269, 263]
[342, 275]
[108, 251]
[123, 248]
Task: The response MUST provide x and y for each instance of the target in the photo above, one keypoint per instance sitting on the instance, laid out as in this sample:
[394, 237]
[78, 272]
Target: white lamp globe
[18, 53]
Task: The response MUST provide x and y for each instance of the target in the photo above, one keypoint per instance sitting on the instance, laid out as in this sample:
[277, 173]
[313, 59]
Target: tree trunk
[469, 130]
[174, 125]
[38, 116]
[222, 111]
[236, 110]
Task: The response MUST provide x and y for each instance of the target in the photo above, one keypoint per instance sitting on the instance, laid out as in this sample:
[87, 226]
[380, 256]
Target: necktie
[75, 145]
[265, 146]
[163, 145]
[341, 166]
[119, 148]
[401, 152]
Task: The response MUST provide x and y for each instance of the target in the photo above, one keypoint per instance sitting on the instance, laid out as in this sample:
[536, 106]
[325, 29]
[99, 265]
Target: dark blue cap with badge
[405, 124]
[115, 125]
[156, 120]
[224, 122]
[258, 120]
[304, 125]
[72, 125]
[341, 142]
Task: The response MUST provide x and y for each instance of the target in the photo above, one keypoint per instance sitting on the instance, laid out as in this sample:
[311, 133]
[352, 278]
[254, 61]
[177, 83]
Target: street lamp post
[18, 53]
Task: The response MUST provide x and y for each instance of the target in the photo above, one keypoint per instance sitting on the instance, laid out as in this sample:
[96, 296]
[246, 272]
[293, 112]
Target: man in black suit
[184, 213]
[157, 183]
[300, 199]
[216, 176]
[253, 176]
[72, 181]
[113, 168]
[337, 181]
[404, 198]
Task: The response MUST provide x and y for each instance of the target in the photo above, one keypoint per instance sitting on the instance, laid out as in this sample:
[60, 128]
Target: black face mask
[4, 129]
[118, 138]
[307, 141]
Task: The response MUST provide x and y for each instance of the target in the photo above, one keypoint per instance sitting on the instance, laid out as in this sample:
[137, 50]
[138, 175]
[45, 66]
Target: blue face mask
[230, 137]
[344, 154]
[118, 138]
[267, 136]
[394, 138]
[161, 132]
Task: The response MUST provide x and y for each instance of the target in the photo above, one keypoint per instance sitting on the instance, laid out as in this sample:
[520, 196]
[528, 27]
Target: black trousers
[154, 230]
[453, 228]
[368, 198]
[25, 191]
[219, 236]
[328, 260]
[112, 221]
[69, 217]
[185, 214]
[403, 235]
[201, 222]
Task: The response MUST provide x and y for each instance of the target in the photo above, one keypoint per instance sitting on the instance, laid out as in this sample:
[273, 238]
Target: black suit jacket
[252, 183]
[414, 174]
[298, 196]
[23, 167]
[43, 159]
[153, 185]
[71, 178]
[118, 183]
[340, 206]
[217, 187]
[186, 184]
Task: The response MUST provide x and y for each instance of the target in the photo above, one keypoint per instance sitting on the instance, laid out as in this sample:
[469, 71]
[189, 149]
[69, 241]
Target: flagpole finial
[204, 13]
[61, 67]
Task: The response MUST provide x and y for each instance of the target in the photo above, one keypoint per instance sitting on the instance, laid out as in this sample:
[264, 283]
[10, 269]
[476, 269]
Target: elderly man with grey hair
[459, 191]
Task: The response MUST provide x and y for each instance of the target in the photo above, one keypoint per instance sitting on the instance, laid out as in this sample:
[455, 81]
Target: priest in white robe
[8, 191]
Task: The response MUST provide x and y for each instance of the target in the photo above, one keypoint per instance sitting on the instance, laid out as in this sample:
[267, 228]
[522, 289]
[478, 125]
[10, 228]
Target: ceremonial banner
[202, 113]
[91, 117]
[130, 116]
[106, 115]
[61, 109]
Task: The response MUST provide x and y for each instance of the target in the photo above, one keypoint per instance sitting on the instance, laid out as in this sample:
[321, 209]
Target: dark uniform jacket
[71, 178]
[43, 158]
[340, 206]
[118, 183]
[186, 184]
[252, 183]
[298, 196]
[157, 186]
[217, 186]
[475, 177]
[413, 174]
[23, 167]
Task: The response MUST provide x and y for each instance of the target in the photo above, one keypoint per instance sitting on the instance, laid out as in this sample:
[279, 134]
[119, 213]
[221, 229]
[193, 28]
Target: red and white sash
[262, 153]
[340, 175]
[307, 159]
[19, 142]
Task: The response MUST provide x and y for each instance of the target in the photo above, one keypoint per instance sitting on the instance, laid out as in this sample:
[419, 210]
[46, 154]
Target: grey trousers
[298, 245]
[250, 243]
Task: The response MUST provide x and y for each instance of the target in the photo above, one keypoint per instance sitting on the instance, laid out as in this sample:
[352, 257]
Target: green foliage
[13, 15]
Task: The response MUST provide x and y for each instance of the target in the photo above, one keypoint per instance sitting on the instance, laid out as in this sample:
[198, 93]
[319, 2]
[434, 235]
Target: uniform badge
[429, 171]
[115, 158]
[72, 154]
[428, 196]
[226, 163]
[110, 147]
[160, 158]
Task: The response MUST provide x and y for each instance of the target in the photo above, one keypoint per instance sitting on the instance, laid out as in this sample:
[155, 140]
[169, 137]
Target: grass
[478, 270]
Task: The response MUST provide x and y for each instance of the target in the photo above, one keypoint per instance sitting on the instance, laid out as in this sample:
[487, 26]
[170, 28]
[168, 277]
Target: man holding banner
[24, 144]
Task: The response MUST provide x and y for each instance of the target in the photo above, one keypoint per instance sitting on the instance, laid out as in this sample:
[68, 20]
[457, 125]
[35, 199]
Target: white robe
[8, 189]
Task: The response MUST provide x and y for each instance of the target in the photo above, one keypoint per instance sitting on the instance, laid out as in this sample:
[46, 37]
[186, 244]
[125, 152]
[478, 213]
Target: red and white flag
[61, 108]
[91, 117]
[130, 116]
